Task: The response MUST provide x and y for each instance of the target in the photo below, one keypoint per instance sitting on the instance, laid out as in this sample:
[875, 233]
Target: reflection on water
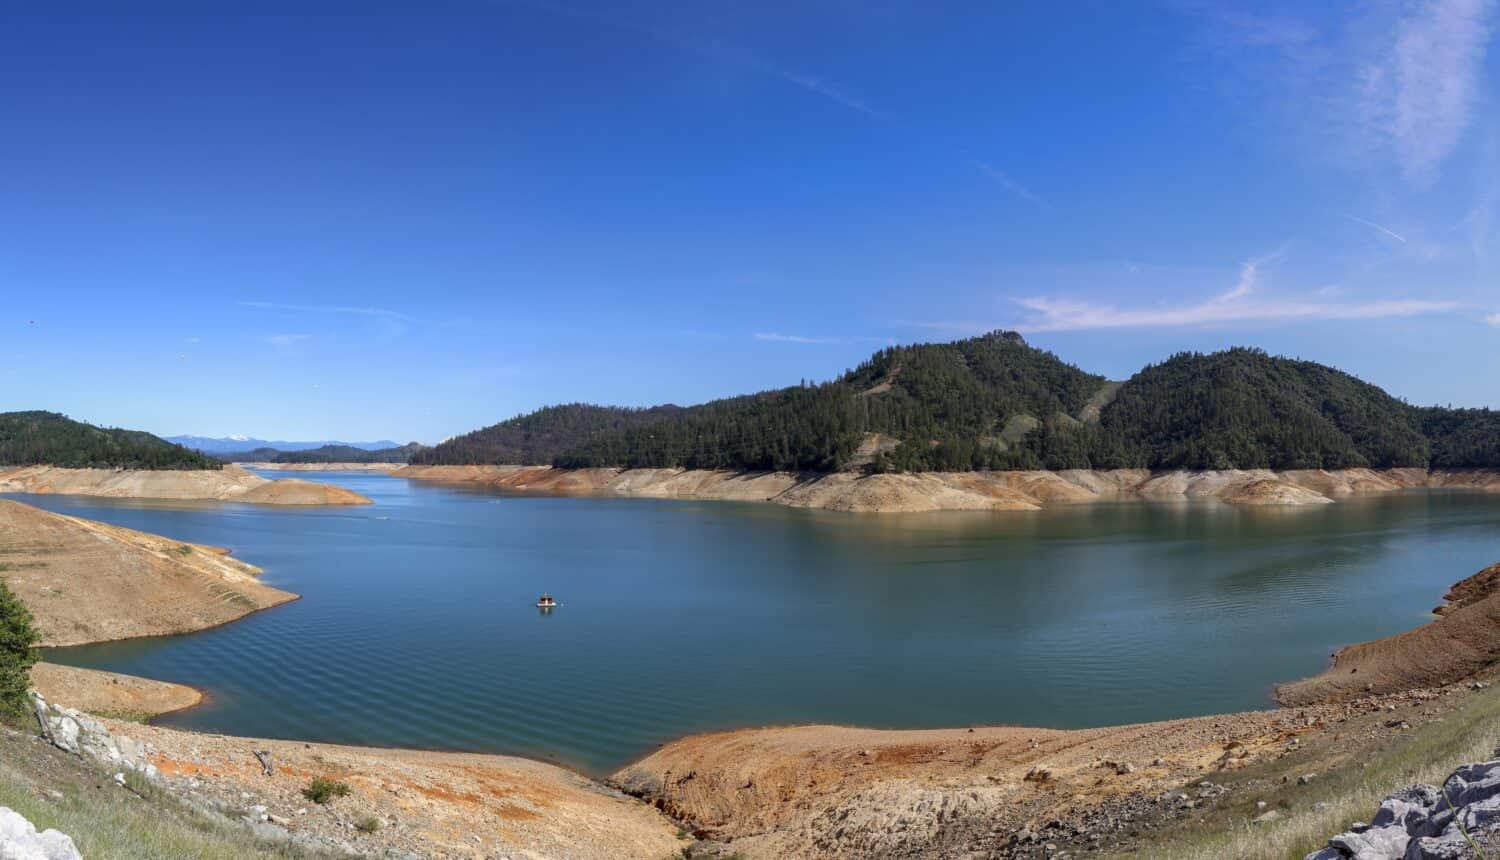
[419, 623]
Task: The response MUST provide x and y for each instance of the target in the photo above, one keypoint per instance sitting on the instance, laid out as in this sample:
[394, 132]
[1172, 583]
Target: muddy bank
[324, 467]
[230, 484]
[971, 491]
[86, 581]
[1464, 639]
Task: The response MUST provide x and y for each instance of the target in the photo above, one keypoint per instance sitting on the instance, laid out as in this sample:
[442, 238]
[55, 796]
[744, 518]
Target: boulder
[1376, 843]
[20, 841]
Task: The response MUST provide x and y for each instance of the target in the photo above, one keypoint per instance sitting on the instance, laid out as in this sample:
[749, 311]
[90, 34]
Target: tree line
[994, 402]
[48, 438]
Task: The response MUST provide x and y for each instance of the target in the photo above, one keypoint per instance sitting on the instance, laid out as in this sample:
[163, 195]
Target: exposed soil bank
[431, 804]
[324, 467]
[86, 581]
[230, 484]
[834, 792]
[935, 491]
[1464, 639]
[110, 693]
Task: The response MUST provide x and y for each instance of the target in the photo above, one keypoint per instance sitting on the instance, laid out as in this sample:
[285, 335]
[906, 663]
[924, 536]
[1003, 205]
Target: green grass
[108, 822]
[1352, 793]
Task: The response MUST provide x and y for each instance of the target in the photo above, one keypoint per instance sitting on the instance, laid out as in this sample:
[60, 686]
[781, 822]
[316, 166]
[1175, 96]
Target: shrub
[368, 825]
[322, 790]
[17, 655]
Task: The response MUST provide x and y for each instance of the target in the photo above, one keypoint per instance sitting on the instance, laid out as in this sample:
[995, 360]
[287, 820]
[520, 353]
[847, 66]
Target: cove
[417, 625]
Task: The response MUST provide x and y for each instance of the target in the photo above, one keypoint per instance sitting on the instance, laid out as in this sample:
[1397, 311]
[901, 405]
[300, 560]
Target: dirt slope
[1462, 641]
[433, 804]
[91, 582]
[228, 484]
[835, 792]
[110, 693]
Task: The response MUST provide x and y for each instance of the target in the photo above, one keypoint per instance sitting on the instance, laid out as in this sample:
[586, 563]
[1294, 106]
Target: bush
[322, 790]
[17, 655]
[368, 825]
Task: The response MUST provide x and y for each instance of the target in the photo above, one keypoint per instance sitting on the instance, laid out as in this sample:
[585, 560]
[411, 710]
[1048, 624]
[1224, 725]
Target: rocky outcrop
[19, 840]
[1461, 819]
[230, 484]
[967, 491]
[77, 733]
[87, 581]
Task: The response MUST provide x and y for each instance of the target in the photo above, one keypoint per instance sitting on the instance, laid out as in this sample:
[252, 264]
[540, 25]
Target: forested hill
[994, 402]
[47, 438]
[977, 399]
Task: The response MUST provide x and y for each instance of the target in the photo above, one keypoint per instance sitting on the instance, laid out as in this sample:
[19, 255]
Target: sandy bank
[323, 467]
[230, 484]
[110, 693]
[1464, 639]
[90, 582]
[971, 491]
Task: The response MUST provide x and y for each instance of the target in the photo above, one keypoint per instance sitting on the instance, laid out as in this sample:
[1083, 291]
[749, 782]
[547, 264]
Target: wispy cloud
[329, 309]
[1241, 303]
[1424, 94]
[1393, 84]
[1372, 225]
[1068, 315]
[777, 337]
[1493, 319]
[287, 341]
[1005, 181]
[719, 50]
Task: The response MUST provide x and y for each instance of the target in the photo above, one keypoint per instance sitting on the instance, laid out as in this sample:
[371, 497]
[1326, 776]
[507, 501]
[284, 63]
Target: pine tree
[17, 655]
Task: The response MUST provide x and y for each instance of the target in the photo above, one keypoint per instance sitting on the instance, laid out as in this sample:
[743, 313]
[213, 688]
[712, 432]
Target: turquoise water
[418, 628]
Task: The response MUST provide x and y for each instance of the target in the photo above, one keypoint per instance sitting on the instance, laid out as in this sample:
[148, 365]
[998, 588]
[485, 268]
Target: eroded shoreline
[816, 791]
[958, 491]
[230, 484]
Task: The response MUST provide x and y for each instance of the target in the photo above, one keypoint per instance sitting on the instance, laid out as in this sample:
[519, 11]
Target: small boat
[545, 602]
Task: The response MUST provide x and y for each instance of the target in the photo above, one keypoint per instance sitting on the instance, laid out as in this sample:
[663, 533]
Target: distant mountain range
[232, 444]
[325, 454]
[995, 402]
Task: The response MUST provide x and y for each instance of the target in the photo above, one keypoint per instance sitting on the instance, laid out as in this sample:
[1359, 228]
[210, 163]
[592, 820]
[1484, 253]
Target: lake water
[418, 627]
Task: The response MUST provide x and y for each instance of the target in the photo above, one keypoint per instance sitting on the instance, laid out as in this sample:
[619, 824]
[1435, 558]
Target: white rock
[20, 841]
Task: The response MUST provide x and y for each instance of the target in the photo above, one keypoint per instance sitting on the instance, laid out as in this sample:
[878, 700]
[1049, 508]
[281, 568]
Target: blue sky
[361, 220]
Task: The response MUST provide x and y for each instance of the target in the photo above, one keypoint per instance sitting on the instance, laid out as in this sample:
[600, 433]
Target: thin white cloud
[1493, 319]
[716, 49]
[777, 337]
[1242, 302]
[1052, 315]
[1371, 224]
[1004, 180]
[285, 340]
[329, 309]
